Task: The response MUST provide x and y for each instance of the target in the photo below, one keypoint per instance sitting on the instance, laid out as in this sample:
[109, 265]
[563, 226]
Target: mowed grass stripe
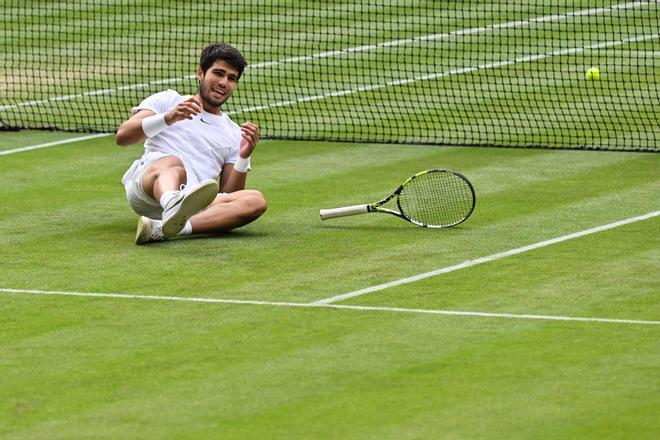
[516, 218]
[290, 254]
[483, 260]
[328, 305]
[115, 367]
[604, 274]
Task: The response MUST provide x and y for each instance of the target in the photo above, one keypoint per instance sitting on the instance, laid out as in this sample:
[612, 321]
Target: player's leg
[229, 211]
[165, 174]
[163, 181]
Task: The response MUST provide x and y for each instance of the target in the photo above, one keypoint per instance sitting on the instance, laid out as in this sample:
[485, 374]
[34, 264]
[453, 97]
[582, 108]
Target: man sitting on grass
[190, 145]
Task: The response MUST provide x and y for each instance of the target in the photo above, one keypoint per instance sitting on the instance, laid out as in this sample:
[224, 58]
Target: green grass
[77, 367]
[378, 71]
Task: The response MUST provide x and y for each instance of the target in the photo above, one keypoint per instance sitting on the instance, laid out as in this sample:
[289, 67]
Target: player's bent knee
[170, 165]
[244, 207]
[255, 204]
[251, 205]
[179, 172]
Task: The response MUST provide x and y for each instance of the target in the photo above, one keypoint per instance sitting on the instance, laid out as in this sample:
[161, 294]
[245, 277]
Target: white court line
[52, 144]
[335, 306]
[328, 54]
[486, 259]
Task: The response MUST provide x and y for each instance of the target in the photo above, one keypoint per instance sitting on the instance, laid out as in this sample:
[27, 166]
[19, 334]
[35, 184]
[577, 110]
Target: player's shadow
[405, 228]
[224, 236]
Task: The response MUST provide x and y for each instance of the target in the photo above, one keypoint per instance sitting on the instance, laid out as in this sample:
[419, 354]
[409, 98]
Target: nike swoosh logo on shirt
[202, 119]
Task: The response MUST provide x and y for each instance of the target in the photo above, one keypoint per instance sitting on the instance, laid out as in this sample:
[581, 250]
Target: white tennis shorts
[140, 201]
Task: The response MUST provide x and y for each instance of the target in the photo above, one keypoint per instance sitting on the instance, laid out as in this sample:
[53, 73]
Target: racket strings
[439, 198]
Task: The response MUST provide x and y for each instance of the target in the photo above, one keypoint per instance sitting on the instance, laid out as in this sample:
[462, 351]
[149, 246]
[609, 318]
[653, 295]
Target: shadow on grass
[403, 227]
[227, 235]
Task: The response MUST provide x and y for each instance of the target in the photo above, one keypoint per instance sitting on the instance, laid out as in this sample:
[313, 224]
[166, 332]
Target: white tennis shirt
[204, 144]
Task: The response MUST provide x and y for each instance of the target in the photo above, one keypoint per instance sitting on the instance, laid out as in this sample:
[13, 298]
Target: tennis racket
[437, 198]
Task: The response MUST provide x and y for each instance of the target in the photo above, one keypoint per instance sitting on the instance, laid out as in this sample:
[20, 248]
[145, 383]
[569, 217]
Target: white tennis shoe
[186, 204]
[148, 230]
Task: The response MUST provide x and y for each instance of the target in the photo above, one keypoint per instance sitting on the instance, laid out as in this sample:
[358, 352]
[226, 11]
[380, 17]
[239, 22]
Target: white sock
[166, 197]
[187, 229]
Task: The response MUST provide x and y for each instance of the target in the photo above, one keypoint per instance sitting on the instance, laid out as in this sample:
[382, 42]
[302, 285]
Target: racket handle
[342, 212]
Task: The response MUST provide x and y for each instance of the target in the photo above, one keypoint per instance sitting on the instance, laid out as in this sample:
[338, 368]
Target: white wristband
[242, 165]
[154, 124]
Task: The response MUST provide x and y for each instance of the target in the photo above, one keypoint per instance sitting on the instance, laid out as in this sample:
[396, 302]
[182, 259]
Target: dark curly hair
[224, 52]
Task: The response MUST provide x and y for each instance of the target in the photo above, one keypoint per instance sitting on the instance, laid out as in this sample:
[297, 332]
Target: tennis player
[191, 177]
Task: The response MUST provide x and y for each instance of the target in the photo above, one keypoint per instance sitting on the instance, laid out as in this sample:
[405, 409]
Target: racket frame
[377, 206]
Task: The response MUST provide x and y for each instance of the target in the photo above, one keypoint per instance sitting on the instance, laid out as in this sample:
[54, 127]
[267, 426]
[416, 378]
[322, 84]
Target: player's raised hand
[187, 109]
[250, 138]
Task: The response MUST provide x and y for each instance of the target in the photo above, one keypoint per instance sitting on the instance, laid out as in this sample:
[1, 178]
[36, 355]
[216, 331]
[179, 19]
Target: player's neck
[208, 107]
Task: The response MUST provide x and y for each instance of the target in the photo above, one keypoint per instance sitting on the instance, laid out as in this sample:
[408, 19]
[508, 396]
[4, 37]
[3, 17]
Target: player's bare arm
[250, 139]
[132, 131]
[233, 180]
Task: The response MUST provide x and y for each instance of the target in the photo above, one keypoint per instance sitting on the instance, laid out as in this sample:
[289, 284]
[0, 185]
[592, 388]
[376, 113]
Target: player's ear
[200, 73]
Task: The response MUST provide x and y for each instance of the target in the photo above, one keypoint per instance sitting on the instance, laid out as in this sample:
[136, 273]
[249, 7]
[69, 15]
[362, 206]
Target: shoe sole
[142, 235]
[193, 202]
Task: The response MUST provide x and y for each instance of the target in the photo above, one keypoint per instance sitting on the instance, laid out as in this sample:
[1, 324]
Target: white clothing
[204, 144]
[138, 199]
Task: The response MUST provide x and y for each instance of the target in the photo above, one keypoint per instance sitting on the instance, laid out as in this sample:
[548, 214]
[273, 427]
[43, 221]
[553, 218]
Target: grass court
[266, 362]
[538, 317]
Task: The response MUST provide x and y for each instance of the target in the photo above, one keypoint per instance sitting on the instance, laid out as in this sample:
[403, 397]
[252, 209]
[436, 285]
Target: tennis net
[484, 73]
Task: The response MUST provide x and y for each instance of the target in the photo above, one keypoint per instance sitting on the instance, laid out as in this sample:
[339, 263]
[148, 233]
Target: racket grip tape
[343, 212]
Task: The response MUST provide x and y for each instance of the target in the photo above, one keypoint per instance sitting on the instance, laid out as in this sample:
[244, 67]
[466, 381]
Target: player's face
[217, 84]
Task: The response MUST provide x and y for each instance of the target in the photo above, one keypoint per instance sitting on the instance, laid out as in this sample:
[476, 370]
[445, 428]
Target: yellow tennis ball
[593, 74]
